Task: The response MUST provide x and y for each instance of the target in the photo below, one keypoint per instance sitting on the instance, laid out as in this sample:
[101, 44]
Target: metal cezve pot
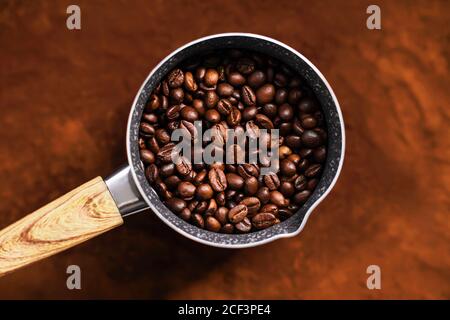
[100, 205]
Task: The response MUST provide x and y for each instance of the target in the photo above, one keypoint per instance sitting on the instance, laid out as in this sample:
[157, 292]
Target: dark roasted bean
[263, 194]
[265, 94]
[238, 213]
[217, 179]
[243, 226]
[263, 220]
[248, 96]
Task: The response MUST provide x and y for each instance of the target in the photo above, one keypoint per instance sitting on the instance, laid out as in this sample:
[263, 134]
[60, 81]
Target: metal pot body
[133, 193]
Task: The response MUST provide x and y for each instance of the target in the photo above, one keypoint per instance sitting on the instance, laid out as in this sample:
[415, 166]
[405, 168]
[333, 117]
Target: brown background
[65, 97]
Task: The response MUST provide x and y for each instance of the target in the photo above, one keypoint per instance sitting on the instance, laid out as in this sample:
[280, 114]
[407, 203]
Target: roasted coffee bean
[147, 156]
[313, 170]
[263, 194]
[249, 113]
[172, 182]
[211, 77]
[186, 190]
[200, 73]
[227, 228]
[198, 220]
[225, 89]
[222, 215]
[270, 110]
[199, 105]
[173, 112]
[152, 173]
[189, 82]
[295, 158]
[212, 207]
[264, 121]
[248, 170]
[234, 117]
[280, 79]
[263, 220]
[311, 139]
[287, 167]
[204, 192]
[281, 96]
[212, 116]
[162, 136]
[270, 208]
[177, 95]
[150, 118]
[251, 186]
[176, 204]
[200, 177]
[302, 196]
[286, 112]
[256, 79]
[307, 105]
[212, 224]
[236, 79]
[183, 166]
[220, 199]
[189, 129]
[234, 181]
[167, 169]
[175, 79]
[245, 65]
[308, 122]
[278, 199]
[272, 181]
[238, 213]
[294, 96]
[265, 94]
[293, 142]
[285, 213]
[285, 128]
[153, 103]
[147, 130]
[287, 189]
[252, 203]
[217, 179]
[211, 99]
[320, 154]
[224, 107]
[252, 130]
[243, 226]
[312, 184]
[165, 153]
[300, 183]
[189, 114]
[305, 153]
[185, 214]
[248, 96]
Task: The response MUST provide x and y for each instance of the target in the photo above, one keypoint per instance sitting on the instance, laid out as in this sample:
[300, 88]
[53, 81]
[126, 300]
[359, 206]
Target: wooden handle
[77, 216]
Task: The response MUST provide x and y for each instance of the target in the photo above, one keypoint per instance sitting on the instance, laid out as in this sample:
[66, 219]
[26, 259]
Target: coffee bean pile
[244, 91]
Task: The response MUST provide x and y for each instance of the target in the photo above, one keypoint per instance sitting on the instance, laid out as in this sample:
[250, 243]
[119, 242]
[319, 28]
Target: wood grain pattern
[77, 216]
